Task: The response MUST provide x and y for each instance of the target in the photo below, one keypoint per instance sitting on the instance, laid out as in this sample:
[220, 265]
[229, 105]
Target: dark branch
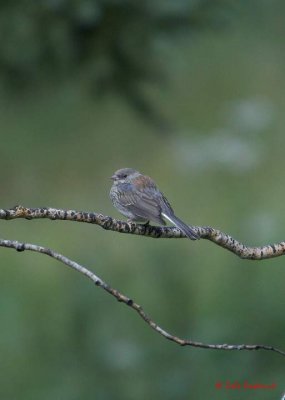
[129, 302]
[108, 223]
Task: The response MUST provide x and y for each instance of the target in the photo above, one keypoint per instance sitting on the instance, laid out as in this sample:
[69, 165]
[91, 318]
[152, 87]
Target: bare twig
[108, 223]
[129, 302]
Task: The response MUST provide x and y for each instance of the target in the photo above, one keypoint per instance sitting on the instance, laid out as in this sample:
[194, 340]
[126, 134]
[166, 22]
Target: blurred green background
[191, 93]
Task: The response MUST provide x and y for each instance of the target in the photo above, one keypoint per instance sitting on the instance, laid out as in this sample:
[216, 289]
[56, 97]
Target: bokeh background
[191, 93]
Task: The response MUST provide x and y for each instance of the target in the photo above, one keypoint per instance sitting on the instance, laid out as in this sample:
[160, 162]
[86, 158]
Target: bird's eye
[124, 176]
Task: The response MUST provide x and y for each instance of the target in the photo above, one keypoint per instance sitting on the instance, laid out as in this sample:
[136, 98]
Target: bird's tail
[186, 229]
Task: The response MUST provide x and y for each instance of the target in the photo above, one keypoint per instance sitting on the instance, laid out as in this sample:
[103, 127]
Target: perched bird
[137, 197]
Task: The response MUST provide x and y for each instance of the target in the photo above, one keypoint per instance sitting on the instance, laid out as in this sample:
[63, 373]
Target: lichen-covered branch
[129, 302]
[108, 223]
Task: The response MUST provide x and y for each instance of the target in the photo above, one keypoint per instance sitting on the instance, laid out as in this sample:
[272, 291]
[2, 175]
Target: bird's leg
[131, 221]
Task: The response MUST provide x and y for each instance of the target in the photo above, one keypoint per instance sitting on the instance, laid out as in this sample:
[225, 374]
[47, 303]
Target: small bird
[137, 197]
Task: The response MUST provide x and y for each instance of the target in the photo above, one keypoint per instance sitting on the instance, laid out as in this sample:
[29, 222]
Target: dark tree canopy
[111, 43]
[111, 46]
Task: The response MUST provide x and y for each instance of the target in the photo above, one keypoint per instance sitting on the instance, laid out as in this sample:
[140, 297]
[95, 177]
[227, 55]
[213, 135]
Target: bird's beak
[113, 177]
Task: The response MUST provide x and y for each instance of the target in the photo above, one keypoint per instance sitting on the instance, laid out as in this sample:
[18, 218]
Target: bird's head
[124, 175]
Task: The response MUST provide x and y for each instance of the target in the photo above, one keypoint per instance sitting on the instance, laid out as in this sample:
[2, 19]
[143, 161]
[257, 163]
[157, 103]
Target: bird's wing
[144, 203]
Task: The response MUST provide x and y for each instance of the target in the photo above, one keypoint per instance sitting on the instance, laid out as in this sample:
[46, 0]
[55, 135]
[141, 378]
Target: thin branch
[108, 223]
[129, 302]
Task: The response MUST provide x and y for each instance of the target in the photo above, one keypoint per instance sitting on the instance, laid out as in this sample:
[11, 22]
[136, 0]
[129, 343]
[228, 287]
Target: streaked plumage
[137, 197]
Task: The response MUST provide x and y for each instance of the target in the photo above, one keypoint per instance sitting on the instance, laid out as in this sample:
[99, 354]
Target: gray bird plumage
[137, 197]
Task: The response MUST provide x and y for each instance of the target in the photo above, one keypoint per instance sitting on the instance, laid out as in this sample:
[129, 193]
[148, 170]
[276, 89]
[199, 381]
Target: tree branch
[108, 223]
[129, 302]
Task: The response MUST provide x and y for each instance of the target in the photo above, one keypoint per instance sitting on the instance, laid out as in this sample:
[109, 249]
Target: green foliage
[105, 40]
